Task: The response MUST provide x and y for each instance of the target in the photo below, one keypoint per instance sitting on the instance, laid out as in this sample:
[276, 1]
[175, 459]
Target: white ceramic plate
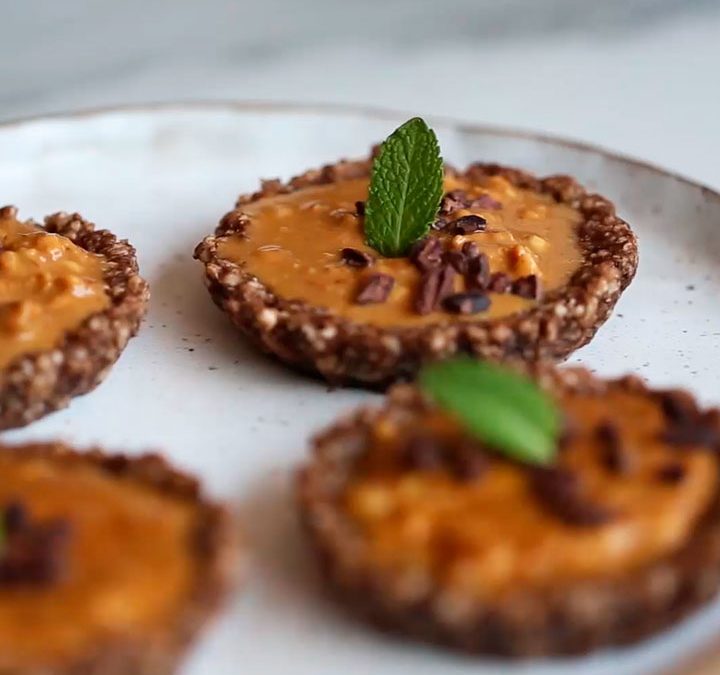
[188, 385]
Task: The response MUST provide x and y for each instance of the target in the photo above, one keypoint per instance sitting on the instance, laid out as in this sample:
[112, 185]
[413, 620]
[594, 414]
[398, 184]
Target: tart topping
[503, 523]
[33, 553]
[356, 258]
[436, 285]
[405, 189]
[503, 409]
[48, 286]
[506, 240]
[562, 493]
[427, 253]
[468, 224]
[470, 302]
[375, 288]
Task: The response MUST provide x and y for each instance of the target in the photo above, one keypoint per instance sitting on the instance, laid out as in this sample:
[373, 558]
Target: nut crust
[574, 618]
[315, 340]
[213, 546]
[36, 384]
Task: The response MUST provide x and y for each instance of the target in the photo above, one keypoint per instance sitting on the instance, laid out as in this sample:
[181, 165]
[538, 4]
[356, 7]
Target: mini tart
[347, 349]
[37, 382]
[422, 531]
[148, 561]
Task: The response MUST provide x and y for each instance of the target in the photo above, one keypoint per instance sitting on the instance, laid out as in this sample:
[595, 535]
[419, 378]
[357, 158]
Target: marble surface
[639, 76]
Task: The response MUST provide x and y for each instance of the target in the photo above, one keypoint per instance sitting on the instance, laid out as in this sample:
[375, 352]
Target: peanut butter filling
[293, 245]
[488, 534]
[48, 286]
[129, 570]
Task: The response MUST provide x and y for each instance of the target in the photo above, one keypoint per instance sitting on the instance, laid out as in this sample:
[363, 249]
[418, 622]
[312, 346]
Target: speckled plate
[162, 176]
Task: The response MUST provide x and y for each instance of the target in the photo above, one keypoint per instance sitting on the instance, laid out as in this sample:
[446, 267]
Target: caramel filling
[490, 534]
[129, 570]
[293, 245]
[48, 286]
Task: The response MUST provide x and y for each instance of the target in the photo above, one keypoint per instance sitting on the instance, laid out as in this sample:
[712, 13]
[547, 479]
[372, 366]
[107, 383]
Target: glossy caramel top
[293, 245]
[48, 286]
[489, 534]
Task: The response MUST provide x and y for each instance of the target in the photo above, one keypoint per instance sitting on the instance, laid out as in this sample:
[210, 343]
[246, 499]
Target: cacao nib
[613, 453]
[426, 254]
[375, 289]
[478, 272]
[561, 493]
[422, 453]
[457, 259]
[485, 202]
[527, 287]
[672, 473]
[499, 283]
[354, 257]
[453, 201]
[470, 302]
[470, 250]
[435, 285]
[468, 225]
[33, 553]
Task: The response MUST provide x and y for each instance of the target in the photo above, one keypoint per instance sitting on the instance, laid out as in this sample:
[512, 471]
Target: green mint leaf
[406, 187]
[507, 411]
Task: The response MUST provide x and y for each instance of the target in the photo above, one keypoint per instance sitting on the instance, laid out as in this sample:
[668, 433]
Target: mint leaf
[507, 411]
[406, 187]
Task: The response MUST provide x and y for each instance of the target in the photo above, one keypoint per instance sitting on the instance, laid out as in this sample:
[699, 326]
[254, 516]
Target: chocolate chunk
[360, 208]
[468, 225]
[478, 272]
[426, 254]
[422, 453]
[375, 289]
[468, 461]
[454, 201]
[527, 287]
[673, 473]
[485, 202]
[435, 286]
[613, 453]
[499, 283]
[354, 257]
[470, 302]
[561, 493]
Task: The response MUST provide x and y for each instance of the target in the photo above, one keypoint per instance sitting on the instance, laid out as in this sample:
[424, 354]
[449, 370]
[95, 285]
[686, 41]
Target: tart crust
[214, 547]
[315, 340]
[574, 618]
[38, 383]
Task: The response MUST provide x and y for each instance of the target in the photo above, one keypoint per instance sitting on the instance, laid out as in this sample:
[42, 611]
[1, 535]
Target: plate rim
[358, 110]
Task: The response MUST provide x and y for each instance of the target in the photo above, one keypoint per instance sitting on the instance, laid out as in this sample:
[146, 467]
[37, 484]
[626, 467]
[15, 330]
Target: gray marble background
[640, 76]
